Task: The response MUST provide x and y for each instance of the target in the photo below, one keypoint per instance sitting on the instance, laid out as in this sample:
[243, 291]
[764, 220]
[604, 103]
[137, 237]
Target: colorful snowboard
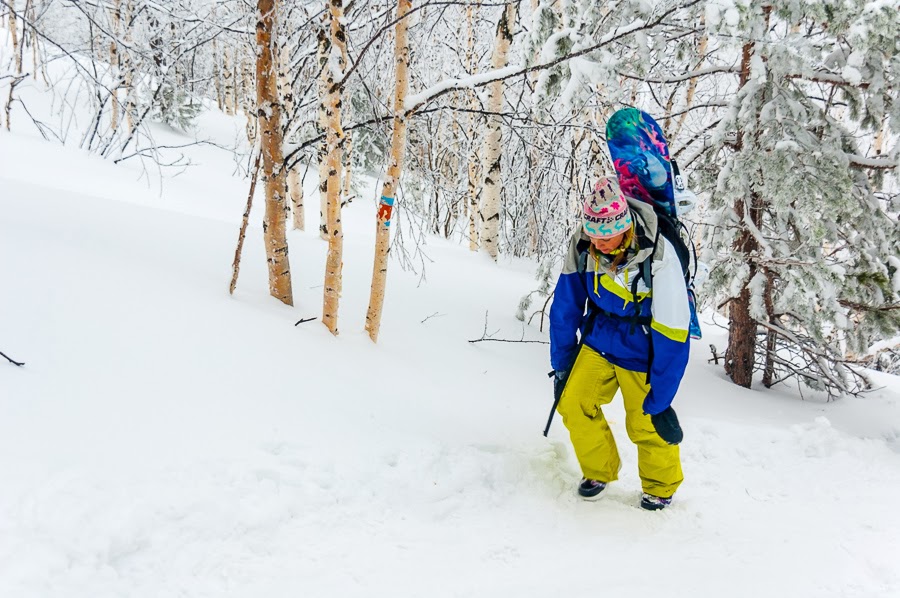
[640, 155]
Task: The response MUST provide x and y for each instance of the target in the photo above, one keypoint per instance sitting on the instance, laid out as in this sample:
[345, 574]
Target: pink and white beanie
[606, 212]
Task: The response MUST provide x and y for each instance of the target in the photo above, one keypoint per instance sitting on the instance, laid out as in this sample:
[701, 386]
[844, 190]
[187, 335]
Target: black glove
[667, 426]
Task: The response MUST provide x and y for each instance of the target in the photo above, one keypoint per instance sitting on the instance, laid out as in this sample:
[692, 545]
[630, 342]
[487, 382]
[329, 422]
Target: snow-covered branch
[874, 163]
[685, 77]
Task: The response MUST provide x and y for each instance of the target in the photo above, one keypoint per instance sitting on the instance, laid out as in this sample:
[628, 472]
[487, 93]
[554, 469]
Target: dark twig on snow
[434, 315]
[11, 360]
[486, 337]
[304, 321]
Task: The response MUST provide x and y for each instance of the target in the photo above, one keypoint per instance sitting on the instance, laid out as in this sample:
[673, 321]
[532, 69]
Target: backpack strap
[647, 275]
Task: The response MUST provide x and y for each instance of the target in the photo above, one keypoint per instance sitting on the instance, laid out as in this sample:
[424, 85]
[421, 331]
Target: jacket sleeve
[567, 311]
[671, 318]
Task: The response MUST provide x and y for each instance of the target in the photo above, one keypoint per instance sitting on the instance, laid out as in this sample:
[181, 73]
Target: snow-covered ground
[167, 439]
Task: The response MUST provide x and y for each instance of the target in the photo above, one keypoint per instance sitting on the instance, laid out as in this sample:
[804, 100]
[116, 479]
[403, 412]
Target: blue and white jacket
[618, 340]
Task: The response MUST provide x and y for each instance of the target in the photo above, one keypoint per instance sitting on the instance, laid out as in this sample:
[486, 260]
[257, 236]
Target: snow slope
[167, 439]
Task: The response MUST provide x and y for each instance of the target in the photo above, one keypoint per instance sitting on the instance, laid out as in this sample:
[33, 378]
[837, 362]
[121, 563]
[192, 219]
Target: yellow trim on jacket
[675, 334]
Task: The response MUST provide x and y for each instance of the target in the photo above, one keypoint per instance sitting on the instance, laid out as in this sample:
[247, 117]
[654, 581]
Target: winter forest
[382, 138]
[780, 114]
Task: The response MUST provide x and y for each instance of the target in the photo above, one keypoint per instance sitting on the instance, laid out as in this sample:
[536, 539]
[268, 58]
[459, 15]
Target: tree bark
[114, 64]
[217, 74]
[269, 115]
[334, 135]
[768, 378]
[490, 195]
[128, 68]
[228, 76]
[295, 189]
[13, 31]
[474, 163]
[286, 93]
[322, 53]
[247, 100]
[389, 189]
[739, 356]
[236, 264]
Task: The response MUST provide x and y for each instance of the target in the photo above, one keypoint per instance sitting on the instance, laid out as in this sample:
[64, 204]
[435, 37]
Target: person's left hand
[667, 426]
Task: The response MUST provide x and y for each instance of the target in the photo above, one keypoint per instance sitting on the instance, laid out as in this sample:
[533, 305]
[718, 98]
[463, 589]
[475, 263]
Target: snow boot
[591, 489]
[654, 503]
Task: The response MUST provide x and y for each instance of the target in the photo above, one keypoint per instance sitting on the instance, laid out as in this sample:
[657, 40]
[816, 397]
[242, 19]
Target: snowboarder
[634, 336]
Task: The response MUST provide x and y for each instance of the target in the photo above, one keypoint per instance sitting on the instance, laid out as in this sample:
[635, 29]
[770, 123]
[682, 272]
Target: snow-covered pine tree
[803, 252]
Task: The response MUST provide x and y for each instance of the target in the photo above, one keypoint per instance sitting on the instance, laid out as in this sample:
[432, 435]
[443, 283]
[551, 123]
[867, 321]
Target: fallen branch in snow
[11, 360]
[304, 321]
[505, 340]
[236, 266]
[434, 315]
[486, 337]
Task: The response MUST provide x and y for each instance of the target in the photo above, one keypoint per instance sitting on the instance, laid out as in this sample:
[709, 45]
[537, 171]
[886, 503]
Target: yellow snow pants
[592, 383]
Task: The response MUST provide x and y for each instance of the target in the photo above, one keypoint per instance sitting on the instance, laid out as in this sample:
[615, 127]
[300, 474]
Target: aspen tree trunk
[474, 163]
[269, 110]
[490, 195]
[217, 75]
[128, 68]
[346, 148]
[879, 138]
[389, 189]
[247, 100]
[346, 165]
[13, 30]
[334, 135]
[236, 82]
[286, 93]
[114, 65]
[324, 48]
[295, 189]
[30, 17]
[228, 76]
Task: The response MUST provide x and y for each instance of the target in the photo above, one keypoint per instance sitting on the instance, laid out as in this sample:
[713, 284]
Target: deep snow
[167, 439]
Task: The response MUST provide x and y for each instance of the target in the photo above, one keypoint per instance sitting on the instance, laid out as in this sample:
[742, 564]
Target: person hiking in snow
[633, 338]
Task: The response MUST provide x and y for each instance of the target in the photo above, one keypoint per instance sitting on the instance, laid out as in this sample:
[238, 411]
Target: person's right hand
[559, 382]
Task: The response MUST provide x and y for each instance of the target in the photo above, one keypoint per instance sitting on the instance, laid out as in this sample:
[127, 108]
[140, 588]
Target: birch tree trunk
[389, 189]
[346, 148]
[490, 195]
[30, 13]
[474, 163]
[269, 110]
[334, 135]
[286, 93]
[324, 48]
[295, 190]
[13, 31]
[228, 76]
[114, 65]
[128, 67]
[217, 74]
[236, 82]
[247, 100]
